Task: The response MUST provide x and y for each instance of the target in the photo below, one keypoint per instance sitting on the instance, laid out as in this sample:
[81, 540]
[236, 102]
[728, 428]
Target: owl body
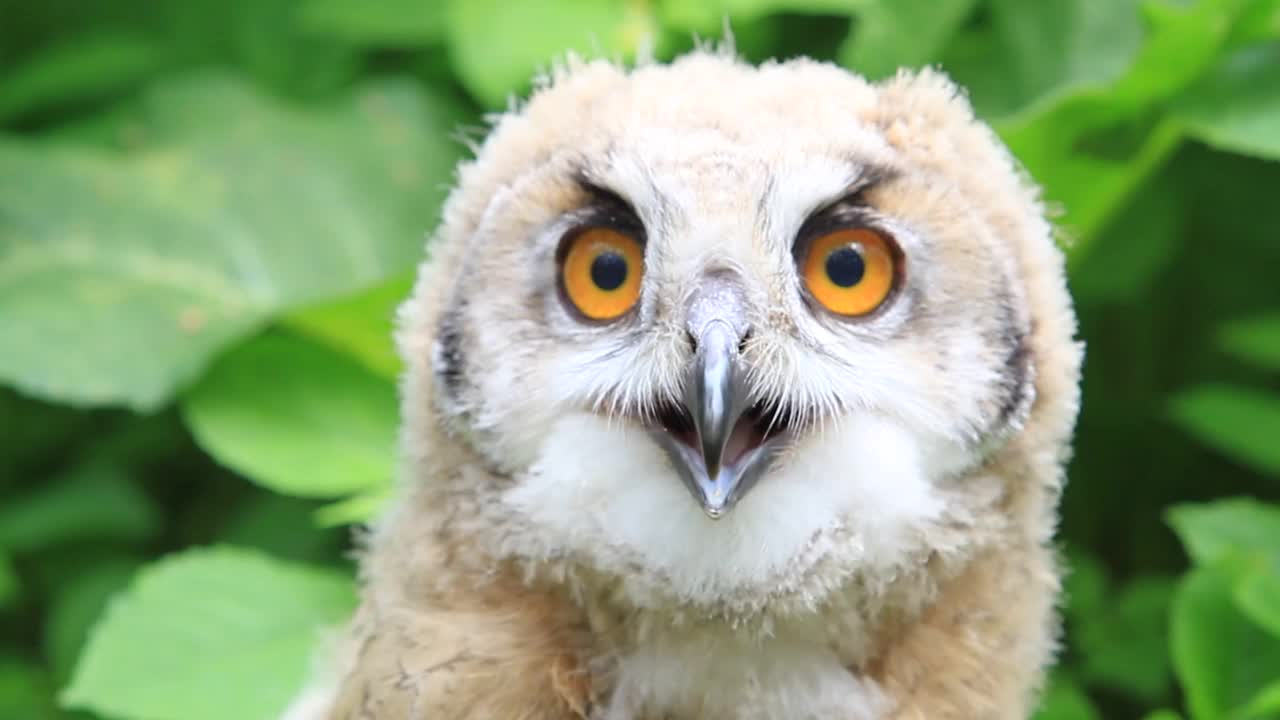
[711, 476]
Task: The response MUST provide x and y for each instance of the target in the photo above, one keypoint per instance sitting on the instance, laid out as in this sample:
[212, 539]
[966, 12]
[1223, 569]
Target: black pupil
[845, 266]
[609, 270]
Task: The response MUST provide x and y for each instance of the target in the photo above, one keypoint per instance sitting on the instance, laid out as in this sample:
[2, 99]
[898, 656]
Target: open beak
[717, 443]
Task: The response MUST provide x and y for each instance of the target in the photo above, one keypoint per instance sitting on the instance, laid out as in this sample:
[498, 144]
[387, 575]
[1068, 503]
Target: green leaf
[1221, 658]
[1034, 54]
[1064, 700]
[1180, 43]
[1265, 704]
[709, 16]
[1260, 22]
[282, 527]
[1215, 531]
[193, 242]
[353, 510]
[497, 46]
[361, 325]
[901, 33]
[296, 418]
[92, 502]
[1134, 248]
[1085, 584]
[1237, 106]
[25, 691]
[32, 432]
[77, 604]
[1057, 47]
[1162, 715]
[268, 43]
[1124, 645]
[1256, 340]
[83, 68]
[1068, 139]
[10, 585]
[375, 23]
[208, 634]
[1238, 422]
[1257, 595]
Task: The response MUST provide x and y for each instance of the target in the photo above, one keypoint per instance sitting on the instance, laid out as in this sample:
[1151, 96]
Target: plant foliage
[209, 212]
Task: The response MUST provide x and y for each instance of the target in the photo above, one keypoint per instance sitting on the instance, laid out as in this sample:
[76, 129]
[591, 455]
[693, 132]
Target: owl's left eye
[850, 271]
[600, 272]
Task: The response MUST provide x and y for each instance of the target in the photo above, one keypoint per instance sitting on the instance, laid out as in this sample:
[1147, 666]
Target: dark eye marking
[607, 208]
[852, 206]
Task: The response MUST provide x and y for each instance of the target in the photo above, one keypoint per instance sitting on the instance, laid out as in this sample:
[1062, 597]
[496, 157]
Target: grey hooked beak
[714, 401]
[727, 453]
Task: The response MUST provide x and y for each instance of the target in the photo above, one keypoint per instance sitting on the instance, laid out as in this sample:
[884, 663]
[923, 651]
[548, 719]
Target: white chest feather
[716, 675]
[603, 496]
[858, 499]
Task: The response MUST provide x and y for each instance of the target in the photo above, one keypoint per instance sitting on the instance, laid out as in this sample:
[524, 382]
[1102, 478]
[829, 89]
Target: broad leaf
[1069, 140]
[1221, 657]
[376, 23]
[1057, 47]
[1257, 595]
[901, 33]
[1085, 585]
[1064, 700]
[297, 418]
[710, 16]
[1134, 248]
[1219, 530]
[209, 634]
[33, 431]
[1033, 54]
[25, 691]
[1265, 704]
[1256, 340]
[1125, 644]
[1260, 22]
[361, 325]
[498, 46]
[1238, 422]
[92, 502]
[283, 527]
[77, 605]
[121, 275]
[80, 69]
[1237, 106]
[353, 510]
[10, 586]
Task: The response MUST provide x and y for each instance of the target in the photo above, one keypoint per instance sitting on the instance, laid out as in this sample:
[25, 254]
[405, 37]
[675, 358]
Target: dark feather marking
[1016, 366]
[451, 368]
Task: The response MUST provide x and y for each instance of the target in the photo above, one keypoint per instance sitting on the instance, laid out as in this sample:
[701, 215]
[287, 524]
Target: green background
[209, 209]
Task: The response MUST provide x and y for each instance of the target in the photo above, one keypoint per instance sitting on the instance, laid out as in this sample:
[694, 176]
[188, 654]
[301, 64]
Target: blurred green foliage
[209, 210]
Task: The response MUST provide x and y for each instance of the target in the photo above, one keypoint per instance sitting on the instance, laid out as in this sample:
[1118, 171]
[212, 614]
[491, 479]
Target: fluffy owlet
[731, 392]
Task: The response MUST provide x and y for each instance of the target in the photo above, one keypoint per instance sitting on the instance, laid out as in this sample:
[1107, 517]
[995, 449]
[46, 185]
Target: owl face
[713, 328]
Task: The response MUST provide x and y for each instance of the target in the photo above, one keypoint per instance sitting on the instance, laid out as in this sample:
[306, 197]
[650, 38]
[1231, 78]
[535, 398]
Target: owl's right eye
[600, 272]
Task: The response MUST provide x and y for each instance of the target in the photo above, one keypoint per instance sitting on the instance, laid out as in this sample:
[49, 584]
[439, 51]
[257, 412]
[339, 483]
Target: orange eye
[601, 272]
[850, 271]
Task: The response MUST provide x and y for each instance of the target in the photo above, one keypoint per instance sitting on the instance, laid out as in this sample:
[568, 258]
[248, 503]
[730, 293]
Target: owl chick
[731, 392]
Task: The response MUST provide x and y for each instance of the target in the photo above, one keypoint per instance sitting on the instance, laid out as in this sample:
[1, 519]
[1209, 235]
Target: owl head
[727, 336]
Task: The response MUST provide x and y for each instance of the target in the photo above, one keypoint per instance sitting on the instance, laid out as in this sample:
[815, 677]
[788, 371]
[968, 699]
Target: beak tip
[715, 499]
[714, 509]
